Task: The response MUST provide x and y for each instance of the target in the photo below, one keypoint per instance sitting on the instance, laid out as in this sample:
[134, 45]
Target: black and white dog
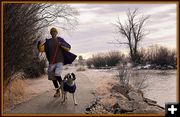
[69, 85]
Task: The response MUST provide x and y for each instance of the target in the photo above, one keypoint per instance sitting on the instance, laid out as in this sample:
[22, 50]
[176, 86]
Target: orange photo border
[93, 2]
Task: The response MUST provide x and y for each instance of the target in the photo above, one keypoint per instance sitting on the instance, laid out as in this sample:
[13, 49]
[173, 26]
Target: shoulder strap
[52, 62]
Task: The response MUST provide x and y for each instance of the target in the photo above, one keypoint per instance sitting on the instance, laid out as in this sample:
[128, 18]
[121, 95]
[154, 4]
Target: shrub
[105, 59]
[158, 55]
[99, 61]
[34, 71]
[89, 63]
[164, 56]
[113, 58]
[124, 73]
[14, 89]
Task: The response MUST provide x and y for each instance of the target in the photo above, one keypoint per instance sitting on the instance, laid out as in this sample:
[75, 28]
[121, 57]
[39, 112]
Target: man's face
[53, 34]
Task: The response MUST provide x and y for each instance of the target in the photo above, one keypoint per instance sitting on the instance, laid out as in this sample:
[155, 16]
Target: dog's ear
[74, 77]
[66, 76]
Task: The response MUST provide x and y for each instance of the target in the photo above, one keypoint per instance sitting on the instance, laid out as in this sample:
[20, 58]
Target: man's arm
[64, 44]
[40, 46]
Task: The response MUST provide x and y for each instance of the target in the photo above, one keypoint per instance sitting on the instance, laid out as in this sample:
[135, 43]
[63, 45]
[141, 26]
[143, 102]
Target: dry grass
[13, 91]
[104, 87]
[109, 101]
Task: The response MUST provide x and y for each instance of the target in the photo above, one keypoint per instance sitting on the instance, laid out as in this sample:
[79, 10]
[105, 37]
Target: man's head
[53, 32]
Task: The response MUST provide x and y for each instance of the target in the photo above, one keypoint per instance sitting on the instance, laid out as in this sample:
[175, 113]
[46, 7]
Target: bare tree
[22, 24]
[133, 30]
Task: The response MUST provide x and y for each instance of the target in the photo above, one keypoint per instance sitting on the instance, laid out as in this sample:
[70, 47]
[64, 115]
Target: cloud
[95, 25]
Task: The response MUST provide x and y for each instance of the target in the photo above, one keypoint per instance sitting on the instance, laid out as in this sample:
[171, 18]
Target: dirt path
[46, 103]
[39, 92]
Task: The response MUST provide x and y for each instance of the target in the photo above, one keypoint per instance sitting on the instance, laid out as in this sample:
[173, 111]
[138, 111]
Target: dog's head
[70, 77]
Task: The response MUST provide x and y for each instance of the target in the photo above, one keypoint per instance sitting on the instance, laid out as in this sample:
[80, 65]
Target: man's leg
[51, 72]
[55, 82]
[58, 71]
[59, 79]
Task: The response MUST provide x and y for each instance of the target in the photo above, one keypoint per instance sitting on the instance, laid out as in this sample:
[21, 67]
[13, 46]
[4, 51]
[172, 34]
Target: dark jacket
[70, 89]
[68, 56]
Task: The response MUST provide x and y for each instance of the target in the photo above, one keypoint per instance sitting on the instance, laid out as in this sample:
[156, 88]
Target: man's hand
[40, 46]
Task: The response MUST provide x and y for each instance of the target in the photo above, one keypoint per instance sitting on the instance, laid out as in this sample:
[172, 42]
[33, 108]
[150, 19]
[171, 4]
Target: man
[57, 53]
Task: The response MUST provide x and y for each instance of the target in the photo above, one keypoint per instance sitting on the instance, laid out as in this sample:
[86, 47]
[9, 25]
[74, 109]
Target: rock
[149, 109]
[117, 88]
[138, 105]
[102, 110]
[154, 109]
[117, 111]
[87, 112]
[108, 101]
[120, 96]
[88, 109]
[135, 96]
[125, 106]
[149, 101]
[154, 103]
[116, 105]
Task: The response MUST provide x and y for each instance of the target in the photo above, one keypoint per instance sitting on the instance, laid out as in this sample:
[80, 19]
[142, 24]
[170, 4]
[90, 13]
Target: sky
[96, 29]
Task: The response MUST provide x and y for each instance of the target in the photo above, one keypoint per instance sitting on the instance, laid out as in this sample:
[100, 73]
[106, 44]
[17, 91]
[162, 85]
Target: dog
[69, 85]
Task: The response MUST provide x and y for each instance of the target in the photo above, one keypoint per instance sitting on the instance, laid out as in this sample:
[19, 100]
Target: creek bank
[118, 98]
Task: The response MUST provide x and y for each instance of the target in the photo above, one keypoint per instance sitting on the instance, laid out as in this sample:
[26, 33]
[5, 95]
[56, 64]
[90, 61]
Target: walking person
[57, 53]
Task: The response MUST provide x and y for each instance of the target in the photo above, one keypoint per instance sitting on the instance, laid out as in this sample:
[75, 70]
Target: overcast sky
[95, 27]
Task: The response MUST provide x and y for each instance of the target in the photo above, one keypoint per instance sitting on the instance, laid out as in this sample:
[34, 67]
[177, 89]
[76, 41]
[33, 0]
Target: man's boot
[57, 94]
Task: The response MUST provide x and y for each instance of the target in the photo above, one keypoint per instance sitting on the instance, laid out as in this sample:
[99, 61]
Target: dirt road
[46, 103]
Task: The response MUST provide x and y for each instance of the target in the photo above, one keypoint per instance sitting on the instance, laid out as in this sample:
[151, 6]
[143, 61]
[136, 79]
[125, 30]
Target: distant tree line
[108, 59]
[22, 25]
[158, 55]
[154, 55]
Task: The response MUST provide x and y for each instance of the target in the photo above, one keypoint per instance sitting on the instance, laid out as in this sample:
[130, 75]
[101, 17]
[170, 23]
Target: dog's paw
[76, 104]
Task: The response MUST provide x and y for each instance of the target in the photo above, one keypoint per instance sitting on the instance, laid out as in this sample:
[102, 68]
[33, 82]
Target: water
[159, 85]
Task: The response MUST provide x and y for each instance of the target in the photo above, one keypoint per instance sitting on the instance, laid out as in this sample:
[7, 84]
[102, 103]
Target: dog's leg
[64, 97]
[74, 99]
[62, 90]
